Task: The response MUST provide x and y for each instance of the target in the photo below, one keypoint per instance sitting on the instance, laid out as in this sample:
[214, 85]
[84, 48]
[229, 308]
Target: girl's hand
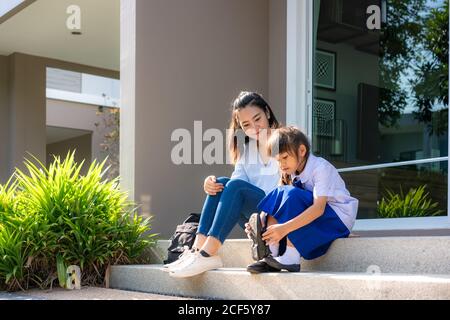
[248, 230]
[211, 187]
[275, 233]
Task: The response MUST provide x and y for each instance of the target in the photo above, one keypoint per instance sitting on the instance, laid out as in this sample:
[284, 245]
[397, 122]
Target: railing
[393, 164]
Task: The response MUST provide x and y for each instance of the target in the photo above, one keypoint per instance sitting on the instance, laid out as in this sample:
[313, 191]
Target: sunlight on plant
[416, 203]
[56, 212]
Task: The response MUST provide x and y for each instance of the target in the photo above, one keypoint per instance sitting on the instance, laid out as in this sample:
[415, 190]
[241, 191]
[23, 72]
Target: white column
[127, 94]
[299, 64]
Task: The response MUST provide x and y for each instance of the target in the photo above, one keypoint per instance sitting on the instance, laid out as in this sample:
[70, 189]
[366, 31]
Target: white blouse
[252, 169]
[323, 180]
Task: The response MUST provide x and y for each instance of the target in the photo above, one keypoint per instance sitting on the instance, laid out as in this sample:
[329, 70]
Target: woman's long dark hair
[287, 139]
[246, 99]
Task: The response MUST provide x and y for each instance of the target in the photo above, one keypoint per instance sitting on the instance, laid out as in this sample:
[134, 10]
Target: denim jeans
[235, 204]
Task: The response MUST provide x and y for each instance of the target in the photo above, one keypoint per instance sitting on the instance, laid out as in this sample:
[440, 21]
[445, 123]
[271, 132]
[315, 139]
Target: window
[83, 88]
[370, 87]
[390, 96]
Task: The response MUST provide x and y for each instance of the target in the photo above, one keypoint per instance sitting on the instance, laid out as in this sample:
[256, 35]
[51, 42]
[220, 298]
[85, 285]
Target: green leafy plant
[416, 203]
[13, 257]
[62, 271]
[13, 231]
[84, 220]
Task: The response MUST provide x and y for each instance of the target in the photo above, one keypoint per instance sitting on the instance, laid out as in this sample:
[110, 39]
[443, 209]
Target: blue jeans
[235, 204]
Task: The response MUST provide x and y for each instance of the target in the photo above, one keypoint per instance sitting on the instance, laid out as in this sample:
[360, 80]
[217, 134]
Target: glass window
[84, 88]
[381, 98]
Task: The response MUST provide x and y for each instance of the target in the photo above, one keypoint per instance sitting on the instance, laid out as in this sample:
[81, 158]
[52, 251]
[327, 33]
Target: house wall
[26, 106]
[80, 116]
[192, 59]
[83, 145]
[4, 118]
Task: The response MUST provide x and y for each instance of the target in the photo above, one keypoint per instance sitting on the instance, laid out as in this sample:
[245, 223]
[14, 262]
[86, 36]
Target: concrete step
[404, 255]
[86, 293]
[236, 283]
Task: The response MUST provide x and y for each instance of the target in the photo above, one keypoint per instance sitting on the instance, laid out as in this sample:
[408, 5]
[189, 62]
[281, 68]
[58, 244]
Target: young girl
[232, 201]
[312, 207]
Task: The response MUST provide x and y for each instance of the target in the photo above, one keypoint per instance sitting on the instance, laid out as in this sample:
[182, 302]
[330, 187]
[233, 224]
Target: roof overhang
[15, 10]
[38, 27]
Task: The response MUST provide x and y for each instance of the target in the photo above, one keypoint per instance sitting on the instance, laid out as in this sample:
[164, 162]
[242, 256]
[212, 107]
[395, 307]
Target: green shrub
[13, 231]
[87, 220]
[416, 203]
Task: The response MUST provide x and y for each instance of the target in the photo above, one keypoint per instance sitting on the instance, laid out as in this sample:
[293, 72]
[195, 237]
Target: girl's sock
[274, 248]
[291, 256]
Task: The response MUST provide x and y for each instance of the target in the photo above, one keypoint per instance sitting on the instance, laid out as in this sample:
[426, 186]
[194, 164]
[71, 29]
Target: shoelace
[192, 260]
[186, 263]
[186, 252]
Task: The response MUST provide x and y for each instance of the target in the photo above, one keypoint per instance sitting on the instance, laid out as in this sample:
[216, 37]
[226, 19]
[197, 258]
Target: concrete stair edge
[410, 255]
[236, 283]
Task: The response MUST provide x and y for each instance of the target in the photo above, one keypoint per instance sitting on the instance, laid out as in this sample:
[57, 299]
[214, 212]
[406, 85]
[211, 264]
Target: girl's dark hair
[287, 139]
[246, 99]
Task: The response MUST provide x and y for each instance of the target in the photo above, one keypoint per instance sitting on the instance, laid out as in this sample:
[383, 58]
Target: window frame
[299, 93]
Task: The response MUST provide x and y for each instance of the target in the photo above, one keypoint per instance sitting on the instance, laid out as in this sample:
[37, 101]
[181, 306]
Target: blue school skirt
[313, 240]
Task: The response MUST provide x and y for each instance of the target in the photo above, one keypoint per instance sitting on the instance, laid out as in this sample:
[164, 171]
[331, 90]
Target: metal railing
[393, 164]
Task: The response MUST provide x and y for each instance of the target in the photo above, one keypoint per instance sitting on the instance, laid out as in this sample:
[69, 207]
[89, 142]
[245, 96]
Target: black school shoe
[260, 249]
[261, 267]
[279, 266]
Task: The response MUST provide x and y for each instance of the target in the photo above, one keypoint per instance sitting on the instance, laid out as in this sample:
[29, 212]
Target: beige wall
[80, 116]
[83, 145]
[192, 59]
[4, 118]
[26, 107]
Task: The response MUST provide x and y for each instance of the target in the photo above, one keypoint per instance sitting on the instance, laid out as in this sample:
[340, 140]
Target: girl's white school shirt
[252, 169]
[323, 180]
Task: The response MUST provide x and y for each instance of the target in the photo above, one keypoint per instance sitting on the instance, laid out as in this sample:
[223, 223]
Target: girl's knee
[299, 193]
[271, 220]
[302, 196]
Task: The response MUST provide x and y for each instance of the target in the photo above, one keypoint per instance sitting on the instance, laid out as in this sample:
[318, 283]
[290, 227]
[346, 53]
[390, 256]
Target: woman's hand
[211, 187]
[275, 233]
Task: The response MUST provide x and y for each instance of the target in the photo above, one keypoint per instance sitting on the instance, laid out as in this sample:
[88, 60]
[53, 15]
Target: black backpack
[183, 237]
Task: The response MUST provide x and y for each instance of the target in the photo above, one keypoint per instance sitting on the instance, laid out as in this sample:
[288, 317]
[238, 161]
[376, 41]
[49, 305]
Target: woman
[233, 200]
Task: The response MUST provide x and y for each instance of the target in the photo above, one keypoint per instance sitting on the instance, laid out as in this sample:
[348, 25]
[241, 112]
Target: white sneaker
[186, 253]
[196, 264]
